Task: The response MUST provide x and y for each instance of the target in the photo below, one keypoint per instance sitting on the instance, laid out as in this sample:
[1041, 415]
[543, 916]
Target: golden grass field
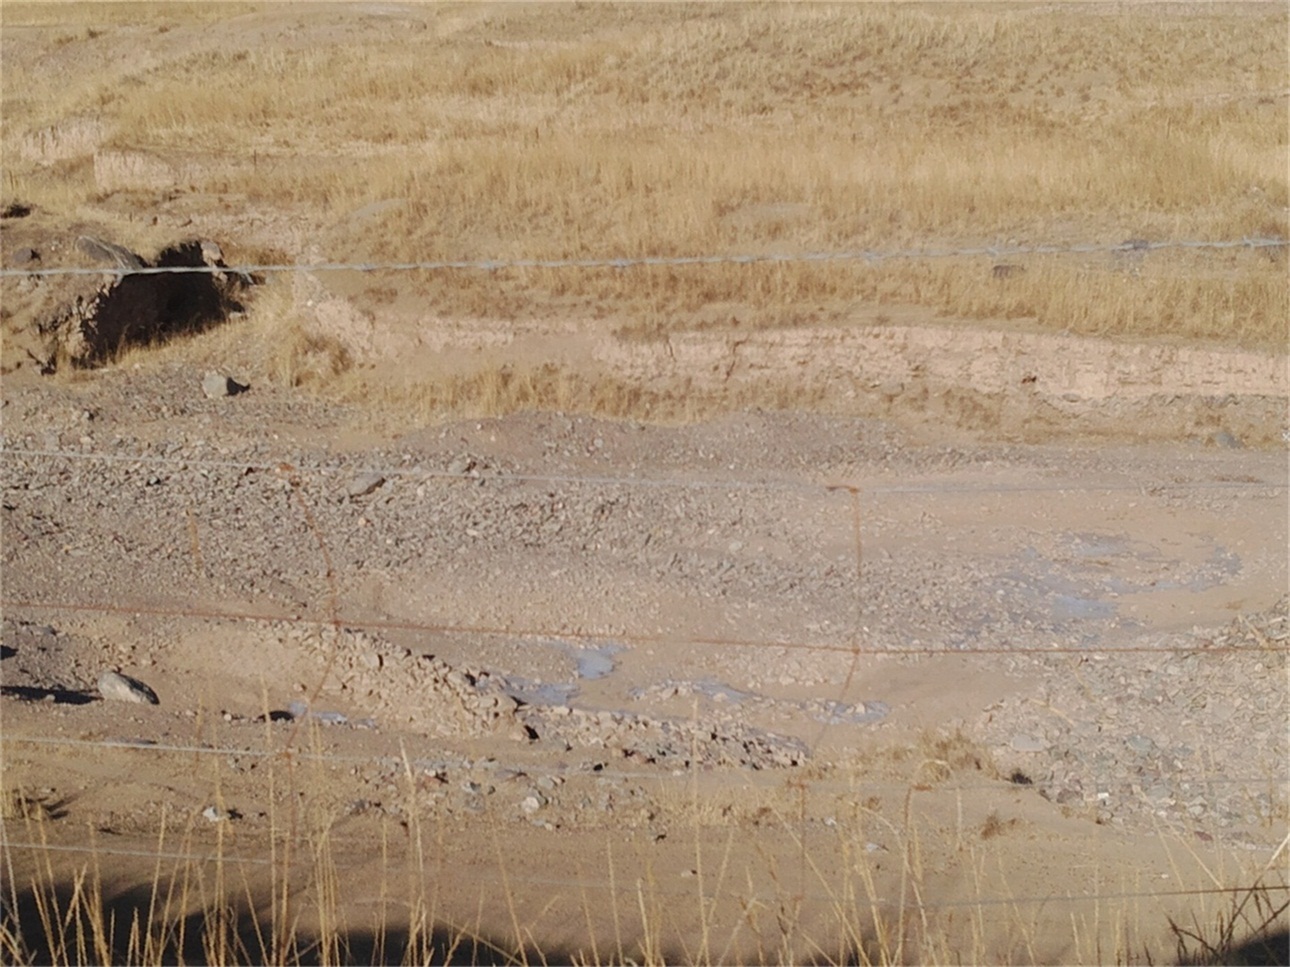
[551, 131]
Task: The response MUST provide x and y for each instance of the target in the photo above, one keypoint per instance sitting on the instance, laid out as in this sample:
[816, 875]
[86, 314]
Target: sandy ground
[669, 690]
[984, 654]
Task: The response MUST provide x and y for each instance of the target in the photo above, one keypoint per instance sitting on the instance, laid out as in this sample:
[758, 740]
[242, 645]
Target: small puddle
[827, 711]
[1067, 594]
[599, 661]
[596, 662]
[591, 662]
[1077, 607]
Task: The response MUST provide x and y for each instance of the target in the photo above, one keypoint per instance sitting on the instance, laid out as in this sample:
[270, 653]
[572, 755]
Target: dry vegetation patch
[504, 132]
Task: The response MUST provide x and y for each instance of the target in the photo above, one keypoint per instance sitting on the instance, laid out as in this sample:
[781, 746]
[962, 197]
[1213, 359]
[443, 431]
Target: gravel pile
[1194, 737]
[404, 691]
[425, 695]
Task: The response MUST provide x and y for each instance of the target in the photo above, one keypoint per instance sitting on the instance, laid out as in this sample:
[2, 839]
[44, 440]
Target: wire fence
[286, 468]
[1135, 247]
[632, 885]
[361, 622]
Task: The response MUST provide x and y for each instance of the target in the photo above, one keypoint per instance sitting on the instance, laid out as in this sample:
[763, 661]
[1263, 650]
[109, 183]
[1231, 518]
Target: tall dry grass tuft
[217, 899]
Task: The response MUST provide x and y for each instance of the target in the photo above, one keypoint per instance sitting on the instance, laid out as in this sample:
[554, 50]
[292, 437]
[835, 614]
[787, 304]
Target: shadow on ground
[73, 923]
[235, 934]
[55, 694]
[1270, 950]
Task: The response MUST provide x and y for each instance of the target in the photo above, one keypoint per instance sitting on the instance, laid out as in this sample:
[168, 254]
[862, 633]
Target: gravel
[1182, 735]
[463, 526]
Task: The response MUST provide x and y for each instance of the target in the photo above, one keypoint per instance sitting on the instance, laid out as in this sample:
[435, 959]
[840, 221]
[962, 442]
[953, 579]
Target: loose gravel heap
[425, 695]
[1192, 736]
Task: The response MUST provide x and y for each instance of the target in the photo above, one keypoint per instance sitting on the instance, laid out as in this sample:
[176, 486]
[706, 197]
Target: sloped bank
[933, 379]
[1020, 385]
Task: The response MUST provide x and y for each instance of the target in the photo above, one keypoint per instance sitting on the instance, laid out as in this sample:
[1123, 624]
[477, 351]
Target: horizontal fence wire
[870, 256]
[744, 777]
[290, 470]
[356, 622]
[633, 885]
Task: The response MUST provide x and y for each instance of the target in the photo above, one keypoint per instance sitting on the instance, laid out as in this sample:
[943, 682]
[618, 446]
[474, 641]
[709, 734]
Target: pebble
[461, 464]
[1021, 742]
[364, 484]
[216, 385]
[1140, 744]
[115, 687]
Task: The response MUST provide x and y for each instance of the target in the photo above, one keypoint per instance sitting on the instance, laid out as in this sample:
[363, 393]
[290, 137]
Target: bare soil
[663, 667]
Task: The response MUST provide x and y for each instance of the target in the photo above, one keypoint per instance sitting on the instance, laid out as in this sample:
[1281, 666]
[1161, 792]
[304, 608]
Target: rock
[1006, 270]
[363, 485]
[532, 803]
[299, 710]
[216, 385]
[463, 463]
[214, 814]
[1159, 792]
[115, 687]
[1021, 742]
[101, 250]
[25, 256]
[1140, 744]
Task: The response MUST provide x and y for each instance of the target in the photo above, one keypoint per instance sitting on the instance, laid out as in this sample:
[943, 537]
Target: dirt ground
[880, 633]
[671, 696]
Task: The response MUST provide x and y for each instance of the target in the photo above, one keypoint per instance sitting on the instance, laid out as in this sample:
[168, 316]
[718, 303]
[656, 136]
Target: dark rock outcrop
[135, 306]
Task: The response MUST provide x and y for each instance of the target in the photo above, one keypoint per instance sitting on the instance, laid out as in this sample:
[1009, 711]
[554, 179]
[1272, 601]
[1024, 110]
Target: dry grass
[292, 895]
[502, 132]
